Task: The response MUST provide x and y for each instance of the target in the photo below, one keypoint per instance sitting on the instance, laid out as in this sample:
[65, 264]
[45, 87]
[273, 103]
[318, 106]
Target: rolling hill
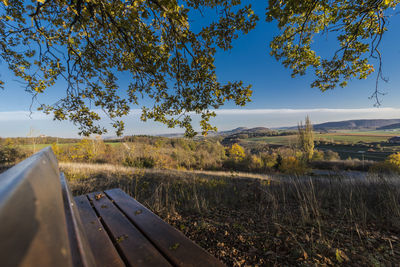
[366, 124]
[356, 124]
[390, 127]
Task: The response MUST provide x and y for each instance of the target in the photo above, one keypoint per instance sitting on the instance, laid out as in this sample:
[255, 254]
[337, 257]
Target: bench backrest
[39, 224]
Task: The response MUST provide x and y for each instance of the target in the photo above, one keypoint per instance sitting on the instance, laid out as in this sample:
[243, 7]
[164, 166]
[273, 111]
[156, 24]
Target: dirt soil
[240, 238]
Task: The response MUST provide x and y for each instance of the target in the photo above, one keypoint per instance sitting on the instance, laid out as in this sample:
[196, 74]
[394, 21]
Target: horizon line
[36, 115]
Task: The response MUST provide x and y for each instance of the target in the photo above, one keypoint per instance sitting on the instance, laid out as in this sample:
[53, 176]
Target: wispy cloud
[26, 115]
[22, 116]
[17, 123]
[374, 112]
[306, 111]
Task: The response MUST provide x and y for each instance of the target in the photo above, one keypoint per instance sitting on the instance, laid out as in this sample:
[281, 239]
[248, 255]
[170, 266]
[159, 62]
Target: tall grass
[333, 217]
[375, 198]
[167, 190]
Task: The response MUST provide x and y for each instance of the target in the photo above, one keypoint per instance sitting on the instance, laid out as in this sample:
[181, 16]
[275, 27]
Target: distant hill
[256, 130]
[234, 131]
[242, 130]
[356, 124]
[372, 124]
[239, 130]
[390, 127]
[245, 133]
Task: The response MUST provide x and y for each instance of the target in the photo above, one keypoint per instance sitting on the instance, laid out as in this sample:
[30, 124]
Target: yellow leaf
[5, 2]
[341, 256]
[338, 257]
[41, 1]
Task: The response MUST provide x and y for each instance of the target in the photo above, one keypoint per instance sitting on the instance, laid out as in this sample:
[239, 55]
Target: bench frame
[32, 220]
[40, 223]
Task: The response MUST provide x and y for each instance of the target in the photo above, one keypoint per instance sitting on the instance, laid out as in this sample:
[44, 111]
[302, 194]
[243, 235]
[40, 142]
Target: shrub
[384, 167]
[269, 160]
[83, 151]
[394, 159]
[292, 165]
[140, 162]
[390, 165]
[251, 163]
[236, 152]
[10, 154]
[318, 155]
[331, 155]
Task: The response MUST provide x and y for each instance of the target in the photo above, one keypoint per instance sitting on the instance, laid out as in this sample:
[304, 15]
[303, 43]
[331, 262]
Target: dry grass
[248, 221]
[89, 168]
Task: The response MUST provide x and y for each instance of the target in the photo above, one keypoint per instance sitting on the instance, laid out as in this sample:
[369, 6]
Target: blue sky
[278, 100]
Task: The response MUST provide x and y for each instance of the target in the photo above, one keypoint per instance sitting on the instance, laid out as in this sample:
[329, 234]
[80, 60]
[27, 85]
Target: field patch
[348, 137]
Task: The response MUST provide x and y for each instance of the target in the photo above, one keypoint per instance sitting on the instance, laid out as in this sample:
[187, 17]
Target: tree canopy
[357, 25]
[92, 44]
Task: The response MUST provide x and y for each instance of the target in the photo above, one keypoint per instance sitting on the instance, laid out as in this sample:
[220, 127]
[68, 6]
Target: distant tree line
[37, 140]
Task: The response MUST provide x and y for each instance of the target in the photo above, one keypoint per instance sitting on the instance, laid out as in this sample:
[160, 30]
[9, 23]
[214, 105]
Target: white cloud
[306, 111]
[22, 116]
[392, 112]
[17, 123]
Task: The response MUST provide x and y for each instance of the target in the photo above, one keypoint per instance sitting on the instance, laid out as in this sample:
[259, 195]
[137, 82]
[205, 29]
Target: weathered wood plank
[80, 249]
[178, 248]
[136, 249]
[102, 247]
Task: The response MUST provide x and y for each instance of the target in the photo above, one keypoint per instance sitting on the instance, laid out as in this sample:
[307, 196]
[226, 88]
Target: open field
[353, 138]
[357, 152]
[275, 140]
[350, 137]
[374, 132]
[353, 144]
[251, 221]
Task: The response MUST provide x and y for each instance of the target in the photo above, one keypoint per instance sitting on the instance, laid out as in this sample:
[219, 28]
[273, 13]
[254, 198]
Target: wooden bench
[42, 224]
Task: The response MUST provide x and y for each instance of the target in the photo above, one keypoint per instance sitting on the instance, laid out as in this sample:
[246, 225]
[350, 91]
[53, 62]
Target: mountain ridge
[361, 124]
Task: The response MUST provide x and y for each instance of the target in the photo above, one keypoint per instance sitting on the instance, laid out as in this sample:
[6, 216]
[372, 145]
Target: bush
[236, 152]
[269, 160]
[10, 154]
[318, 155]
[140, 162]
[292, 165]
[389, 166]
[384, 167]
[331, 155]
[394, 159]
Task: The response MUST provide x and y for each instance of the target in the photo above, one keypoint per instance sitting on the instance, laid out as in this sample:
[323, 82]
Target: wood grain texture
[136, 249]
[174, 245]
[104, 252]
[80, 248]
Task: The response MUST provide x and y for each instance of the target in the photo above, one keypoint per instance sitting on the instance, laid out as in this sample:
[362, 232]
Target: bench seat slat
[102, 247]
[136, 249]
[178, 248]
[42, 224]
